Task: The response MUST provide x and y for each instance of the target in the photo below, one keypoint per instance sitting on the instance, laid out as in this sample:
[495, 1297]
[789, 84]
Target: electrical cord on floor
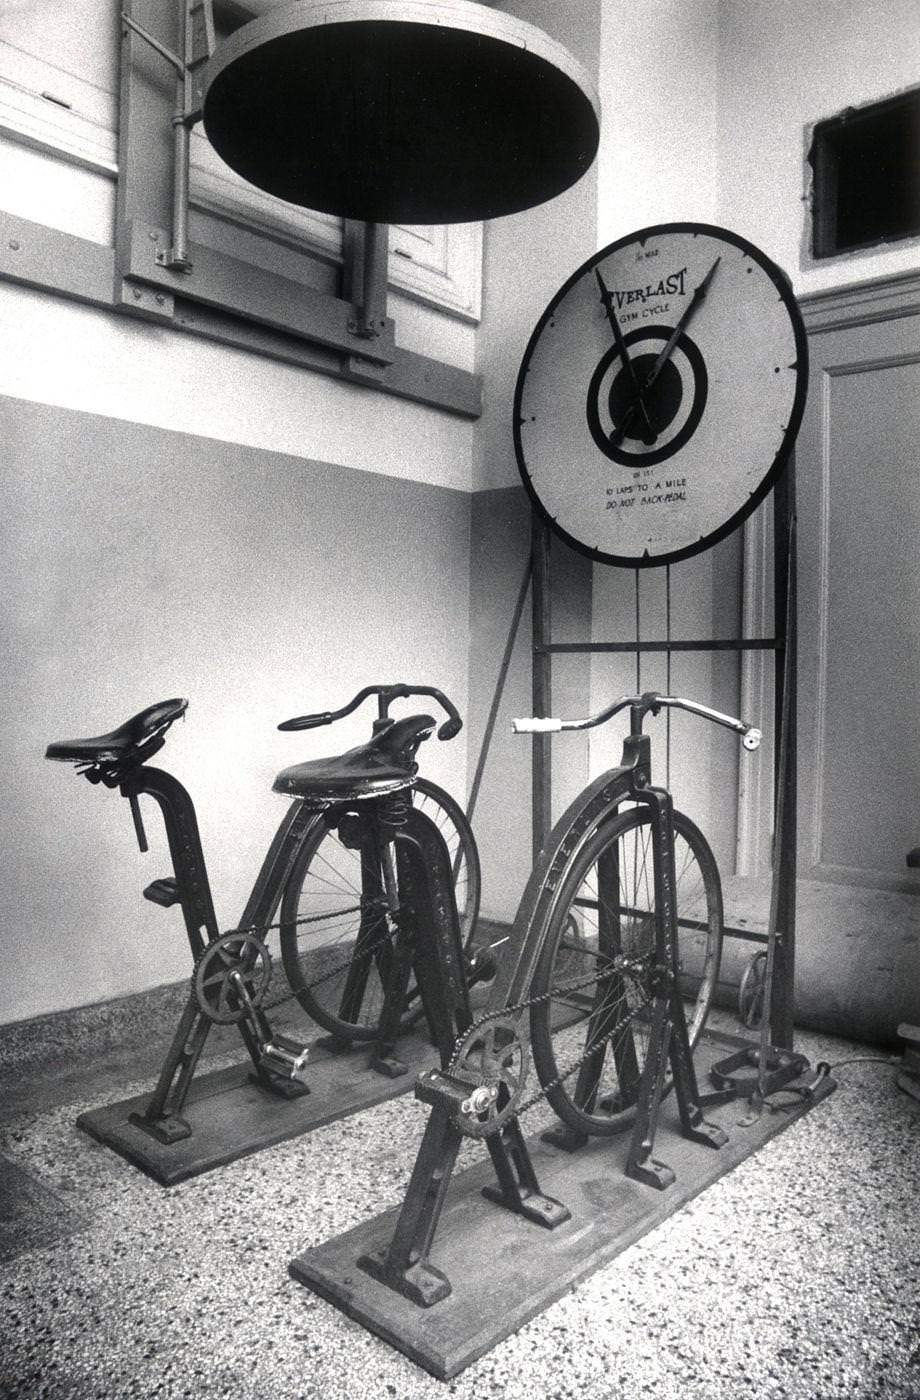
[859, 1060]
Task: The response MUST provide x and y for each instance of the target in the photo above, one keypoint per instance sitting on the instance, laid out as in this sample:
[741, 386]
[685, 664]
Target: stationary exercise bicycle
[378, 958]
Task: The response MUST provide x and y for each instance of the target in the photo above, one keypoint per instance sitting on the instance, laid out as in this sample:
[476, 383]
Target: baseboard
[93, 1029]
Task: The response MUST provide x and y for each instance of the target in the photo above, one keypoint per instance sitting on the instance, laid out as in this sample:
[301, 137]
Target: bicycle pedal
[164, 892]
[284, 1056]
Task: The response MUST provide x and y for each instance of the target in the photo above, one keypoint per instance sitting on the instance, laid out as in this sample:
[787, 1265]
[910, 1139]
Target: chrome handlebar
[651, 703]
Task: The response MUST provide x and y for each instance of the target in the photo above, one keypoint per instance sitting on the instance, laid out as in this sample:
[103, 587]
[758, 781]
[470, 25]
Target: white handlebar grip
[535, 726]
[751, 740]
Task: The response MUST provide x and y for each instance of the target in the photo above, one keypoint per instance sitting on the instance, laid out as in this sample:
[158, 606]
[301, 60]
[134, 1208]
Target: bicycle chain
[253, 931]
[546, 1089]
[629, 966]
[634, 966]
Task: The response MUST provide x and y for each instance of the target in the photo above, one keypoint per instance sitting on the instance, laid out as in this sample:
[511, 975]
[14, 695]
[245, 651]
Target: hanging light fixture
[400, 111]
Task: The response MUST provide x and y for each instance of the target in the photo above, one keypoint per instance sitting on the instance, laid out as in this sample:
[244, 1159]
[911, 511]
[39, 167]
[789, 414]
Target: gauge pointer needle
[639, 403]
[619, 432]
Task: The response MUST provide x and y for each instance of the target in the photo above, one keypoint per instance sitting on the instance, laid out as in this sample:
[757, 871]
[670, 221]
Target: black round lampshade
[400, 111]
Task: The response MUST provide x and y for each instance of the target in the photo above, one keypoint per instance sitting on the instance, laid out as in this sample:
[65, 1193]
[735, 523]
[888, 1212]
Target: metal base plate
[504, 1271]
[231, 1117]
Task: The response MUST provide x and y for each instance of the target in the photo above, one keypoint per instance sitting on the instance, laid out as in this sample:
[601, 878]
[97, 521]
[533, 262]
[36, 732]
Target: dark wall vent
[866, 176]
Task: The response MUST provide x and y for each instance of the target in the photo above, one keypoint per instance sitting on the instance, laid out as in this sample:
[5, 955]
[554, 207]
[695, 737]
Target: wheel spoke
[334, 970]
[606, 906]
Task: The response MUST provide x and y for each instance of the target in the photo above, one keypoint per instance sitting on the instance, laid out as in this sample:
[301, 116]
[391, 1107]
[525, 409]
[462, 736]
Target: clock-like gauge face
[660, 393]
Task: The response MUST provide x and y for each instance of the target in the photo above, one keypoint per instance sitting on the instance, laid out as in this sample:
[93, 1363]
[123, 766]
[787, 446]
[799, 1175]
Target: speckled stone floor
[797, 1275]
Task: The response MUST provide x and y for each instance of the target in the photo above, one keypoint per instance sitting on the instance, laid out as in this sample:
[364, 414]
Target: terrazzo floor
[797, 1275]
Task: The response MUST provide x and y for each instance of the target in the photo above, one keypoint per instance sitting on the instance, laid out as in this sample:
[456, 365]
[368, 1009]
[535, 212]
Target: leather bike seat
[385, 764]
[121, 742]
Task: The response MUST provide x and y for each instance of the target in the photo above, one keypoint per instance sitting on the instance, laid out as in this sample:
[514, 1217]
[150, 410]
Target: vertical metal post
[497, 696]
[365, 277]
[374, 280]
[178, 255]
[195, 30]
[782, 999]
[541, 763]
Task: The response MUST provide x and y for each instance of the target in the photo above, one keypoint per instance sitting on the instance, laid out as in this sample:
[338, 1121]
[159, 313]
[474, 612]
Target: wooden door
[859, 687]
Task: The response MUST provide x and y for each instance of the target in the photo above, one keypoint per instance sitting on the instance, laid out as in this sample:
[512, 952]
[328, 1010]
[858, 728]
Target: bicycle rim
[335, 946]
[601, 932]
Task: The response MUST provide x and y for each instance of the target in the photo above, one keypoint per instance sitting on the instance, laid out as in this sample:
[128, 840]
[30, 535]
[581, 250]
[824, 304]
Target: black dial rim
[790, 428]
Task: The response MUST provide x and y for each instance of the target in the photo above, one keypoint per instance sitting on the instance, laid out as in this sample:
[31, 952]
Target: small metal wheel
[751, 990]
[232, 969]
[494, 1060]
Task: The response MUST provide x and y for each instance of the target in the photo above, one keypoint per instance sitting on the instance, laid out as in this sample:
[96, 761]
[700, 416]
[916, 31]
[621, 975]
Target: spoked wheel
[336, 929]
[590, 1031]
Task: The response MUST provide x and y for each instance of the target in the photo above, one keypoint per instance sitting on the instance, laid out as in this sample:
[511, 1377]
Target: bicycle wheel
[590, 1032]
[336, 932]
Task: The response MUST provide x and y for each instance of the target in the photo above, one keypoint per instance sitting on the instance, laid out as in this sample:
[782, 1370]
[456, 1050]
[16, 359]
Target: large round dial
[660, 393]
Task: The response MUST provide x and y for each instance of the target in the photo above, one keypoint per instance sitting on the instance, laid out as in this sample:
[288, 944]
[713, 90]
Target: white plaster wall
[140, 564]
[705, 104]
[658, 86]
[58, 352]
[783, 65]
[528, 256]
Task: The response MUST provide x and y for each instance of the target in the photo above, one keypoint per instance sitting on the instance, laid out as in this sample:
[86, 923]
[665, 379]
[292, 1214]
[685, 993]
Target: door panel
[859, 552]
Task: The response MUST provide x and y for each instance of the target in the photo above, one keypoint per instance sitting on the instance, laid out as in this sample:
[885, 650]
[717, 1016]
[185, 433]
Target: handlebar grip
[307, 721]
[535, 726]
[751, 739]
[387, 694]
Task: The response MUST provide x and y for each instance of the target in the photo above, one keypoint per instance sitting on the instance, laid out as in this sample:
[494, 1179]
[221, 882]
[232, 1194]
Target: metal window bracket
[369, 250]
[366, 283]
[196, 36]
[170, 273]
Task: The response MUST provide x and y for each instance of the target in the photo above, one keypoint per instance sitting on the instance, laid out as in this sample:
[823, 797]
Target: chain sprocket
[231, 977]
[485, 1114]
[493, 1058]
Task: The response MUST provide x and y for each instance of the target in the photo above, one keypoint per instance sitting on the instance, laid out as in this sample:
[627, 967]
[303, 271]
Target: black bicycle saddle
[124, 741]
[385, 764]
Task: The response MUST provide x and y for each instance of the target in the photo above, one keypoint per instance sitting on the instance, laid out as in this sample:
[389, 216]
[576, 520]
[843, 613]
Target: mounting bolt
[137, 294]
[14, 244]
[160, 299]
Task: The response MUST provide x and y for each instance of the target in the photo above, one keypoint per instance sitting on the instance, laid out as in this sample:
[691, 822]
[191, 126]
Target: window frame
[128, 137]
[821, 241]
